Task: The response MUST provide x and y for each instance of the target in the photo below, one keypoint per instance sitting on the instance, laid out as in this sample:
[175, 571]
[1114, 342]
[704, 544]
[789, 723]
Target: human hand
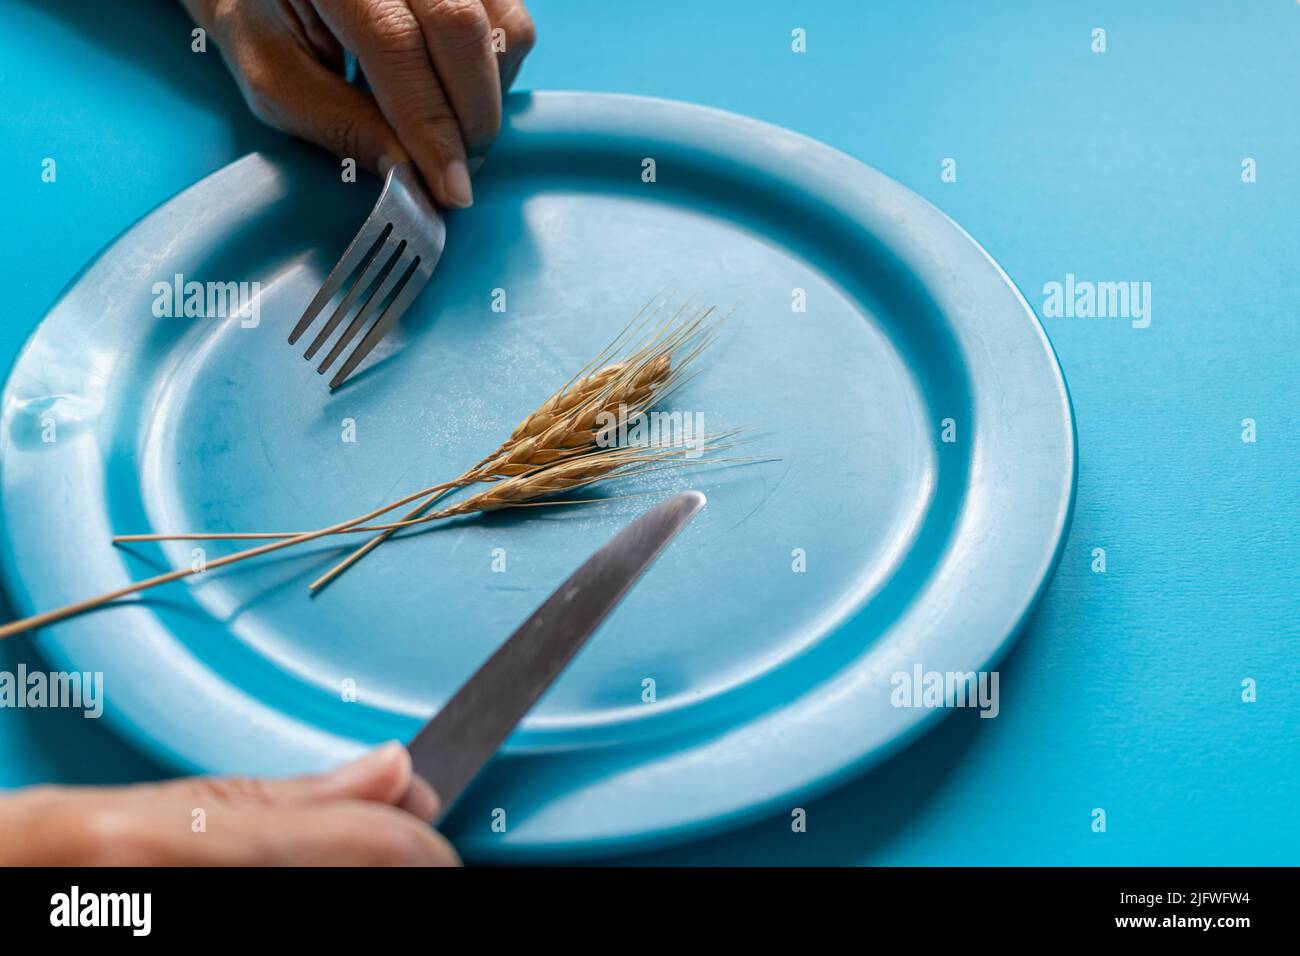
[437, 68]
[371, 812]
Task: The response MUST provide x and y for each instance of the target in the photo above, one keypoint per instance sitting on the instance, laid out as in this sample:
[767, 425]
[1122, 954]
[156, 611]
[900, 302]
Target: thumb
[323, 108]
[382, 775]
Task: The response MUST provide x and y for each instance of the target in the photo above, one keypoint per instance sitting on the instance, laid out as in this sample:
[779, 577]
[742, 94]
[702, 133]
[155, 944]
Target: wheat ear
[570, 420]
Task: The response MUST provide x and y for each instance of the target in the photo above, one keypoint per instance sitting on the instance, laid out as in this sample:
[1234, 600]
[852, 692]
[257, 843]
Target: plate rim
[60, 643]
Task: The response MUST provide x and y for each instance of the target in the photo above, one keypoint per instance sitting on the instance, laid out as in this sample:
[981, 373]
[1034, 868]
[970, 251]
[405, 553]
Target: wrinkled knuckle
[392, 28]
[407, 70]
[238, 789]
[460, 22]
[340, 134]
[438, 124]
[445, 135]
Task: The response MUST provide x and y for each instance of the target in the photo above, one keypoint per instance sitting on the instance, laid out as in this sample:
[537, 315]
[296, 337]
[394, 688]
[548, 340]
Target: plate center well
[245, 436]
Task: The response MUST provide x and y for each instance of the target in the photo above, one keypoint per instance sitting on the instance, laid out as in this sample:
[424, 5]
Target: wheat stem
[59, 614]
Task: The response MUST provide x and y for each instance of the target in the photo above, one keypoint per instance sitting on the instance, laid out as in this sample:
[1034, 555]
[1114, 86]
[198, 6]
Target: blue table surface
[1125, 692]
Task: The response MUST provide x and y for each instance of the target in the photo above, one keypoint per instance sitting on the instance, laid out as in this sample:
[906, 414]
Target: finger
[382, 775]
[516, 38]
[389, 44]
[458, 34]
[420, 800]
[352, 835]
[302, 97]
[318, 37]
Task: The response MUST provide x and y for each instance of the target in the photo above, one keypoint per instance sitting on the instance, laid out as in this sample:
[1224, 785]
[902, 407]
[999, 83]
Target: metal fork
[383, 269]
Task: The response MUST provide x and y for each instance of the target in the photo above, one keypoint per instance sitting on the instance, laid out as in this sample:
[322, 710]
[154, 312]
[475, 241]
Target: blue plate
[770, 683]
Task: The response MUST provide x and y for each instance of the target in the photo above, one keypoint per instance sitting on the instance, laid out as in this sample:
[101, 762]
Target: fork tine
[372, 232]
[408, 287]
[375, 258]
[393, 270]
[378, 276]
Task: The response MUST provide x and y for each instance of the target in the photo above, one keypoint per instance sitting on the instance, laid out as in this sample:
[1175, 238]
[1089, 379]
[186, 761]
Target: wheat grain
[582, 414]
[568, 475]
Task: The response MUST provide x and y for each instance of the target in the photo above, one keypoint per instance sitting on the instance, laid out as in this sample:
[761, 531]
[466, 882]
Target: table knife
[455, 744]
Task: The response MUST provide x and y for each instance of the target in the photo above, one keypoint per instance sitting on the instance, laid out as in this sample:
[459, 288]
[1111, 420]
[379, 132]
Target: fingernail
[455, 182]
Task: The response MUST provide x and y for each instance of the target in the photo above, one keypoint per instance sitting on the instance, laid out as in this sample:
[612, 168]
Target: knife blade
[455, 744]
